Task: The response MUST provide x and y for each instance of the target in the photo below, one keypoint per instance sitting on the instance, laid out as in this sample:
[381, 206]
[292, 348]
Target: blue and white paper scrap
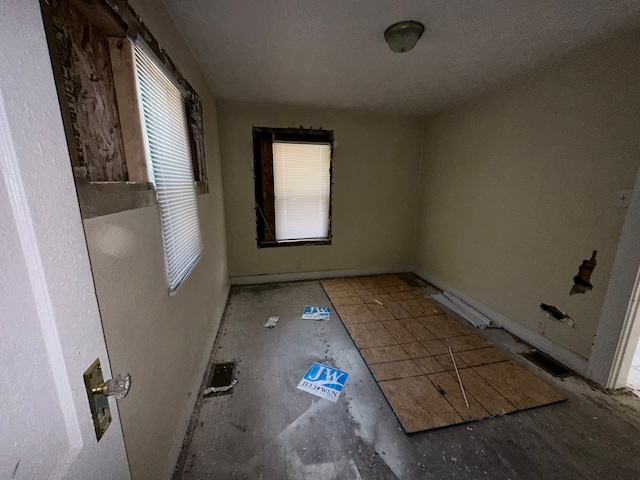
[323, 381]
[316, 313]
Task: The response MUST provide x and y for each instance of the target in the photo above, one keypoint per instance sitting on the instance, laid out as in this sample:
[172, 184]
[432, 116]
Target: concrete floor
[268, 429]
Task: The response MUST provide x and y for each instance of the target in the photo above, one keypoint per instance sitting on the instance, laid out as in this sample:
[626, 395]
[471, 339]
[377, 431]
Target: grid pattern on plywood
[405, 338]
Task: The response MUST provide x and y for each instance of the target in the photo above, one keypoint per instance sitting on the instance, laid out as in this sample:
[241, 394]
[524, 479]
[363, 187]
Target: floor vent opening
[221, 379]
[548, 364]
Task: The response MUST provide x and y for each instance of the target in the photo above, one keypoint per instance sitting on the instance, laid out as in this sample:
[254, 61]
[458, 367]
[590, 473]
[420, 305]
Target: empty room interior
[402, 237]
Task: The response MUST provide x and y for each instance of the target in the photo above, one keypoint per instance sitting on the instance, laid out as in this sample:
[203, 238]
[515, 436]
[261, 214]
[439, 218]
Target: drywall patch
[582, 281]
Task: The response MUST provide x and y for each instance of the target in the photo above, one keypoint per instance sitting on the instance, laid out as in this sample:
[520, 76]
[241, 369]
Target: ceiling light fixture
[403, 36]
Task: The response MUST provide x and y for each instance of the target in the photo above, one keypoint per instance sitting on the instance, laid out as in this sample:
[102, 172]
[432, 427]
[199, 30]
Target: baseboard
[295, 276]
[563, 355]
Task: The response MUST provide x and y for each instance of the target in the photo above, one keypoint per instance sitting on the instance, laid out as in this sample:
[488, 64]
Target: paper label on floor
[271, 322]
[316, 313]
[323, 381]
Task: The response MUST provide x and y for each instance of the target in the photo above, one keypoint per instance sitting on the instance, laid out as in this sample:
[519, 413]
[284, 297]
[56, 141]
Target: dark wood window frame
[263, 139]
[122, 182]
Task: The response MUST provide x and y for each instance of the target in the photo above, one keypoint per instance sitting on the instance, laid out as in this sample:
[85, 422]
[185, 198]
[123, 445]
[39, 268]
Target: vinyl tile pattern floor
[268, 429]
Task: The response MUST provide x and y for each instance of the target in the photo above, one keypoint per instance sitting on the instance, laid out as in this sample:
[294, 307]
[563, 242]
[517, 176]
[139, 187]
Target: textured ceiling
[332, 52]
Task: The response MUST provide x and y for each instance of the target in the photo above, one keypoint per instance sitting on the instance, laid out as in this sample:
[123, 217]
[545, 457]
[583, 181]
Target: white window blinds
[169, 159]
[302, 180]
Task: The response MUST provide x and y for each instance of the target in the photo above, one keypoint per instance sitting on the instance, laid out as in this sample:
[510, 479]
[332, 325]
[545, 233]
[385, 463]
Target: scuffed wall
[521, 185]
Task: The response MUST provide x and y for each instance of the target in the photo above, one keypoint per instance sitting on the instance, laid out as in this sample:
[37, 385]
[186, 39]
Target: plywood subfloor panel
[521, 387]
[405, 339]
[418, 404]
[394, 370]
[371, 334]
[447, 385]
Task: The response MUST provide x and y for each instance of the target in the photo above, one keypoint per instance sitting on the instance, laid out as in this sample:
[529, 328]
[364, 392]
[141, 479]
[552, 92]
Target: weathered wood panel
[90, 93]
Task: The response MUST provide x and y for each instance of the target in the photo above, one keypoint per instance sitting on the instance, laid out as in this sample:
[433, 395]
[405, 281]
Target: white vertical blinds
[169, 157]
[302, 180]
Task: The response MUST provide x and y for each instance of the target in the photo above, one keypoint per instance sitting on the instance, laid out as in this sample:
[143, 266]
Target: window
[164, 120]
[293, 186]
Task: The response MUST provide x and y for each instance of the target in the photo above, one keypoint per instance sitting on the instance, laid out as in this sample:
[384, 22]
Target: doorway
[616, 342]
[633, 380]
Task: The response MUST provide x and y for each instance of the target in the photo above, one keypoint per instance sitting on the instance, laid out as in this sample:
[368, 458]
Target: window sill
[295, 243]
[103, 198]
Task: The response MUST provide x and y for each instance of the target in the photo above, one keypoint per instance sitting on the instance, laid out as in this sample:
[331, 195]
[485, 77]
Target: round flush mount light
[403, 36]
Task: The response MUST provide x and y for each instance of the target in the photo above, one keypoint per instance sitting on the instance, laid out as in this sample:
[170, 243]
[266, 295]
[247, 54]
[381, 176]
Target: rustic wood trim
[195, 122]
[56, 66]
[123, 67]
[265, 201]
[115, 18]
[329, 232]
[280, 133]
[135, 23]
[193, 104]
[105, 19]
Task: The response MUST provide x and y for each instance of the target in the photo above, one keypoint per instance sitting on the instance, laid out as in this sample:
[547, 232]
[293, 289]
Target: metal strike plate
[98, 402]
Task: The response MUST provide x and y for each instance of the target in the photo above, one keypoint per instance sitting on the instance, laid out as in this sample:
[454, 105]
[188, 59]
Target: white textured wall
[375, 185]
[519, 186]
[164, 342]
